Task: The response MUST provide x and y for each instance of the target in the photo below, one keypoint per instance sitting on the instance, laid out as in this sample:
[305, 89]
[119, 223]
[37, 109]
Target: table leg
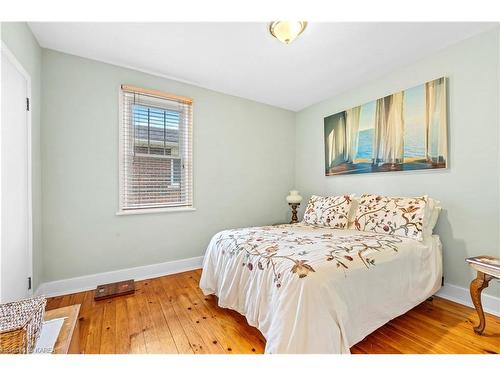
[476, 287]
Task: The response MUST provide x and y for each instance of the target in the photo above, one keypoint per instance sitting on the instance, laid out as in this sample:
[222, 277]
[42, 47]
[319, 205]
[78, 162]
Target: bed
[312, 289]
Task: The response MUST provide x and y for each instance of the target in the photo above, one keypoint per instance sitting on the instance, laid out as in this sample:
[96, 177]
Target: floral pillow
[329, 212]
[398, 216]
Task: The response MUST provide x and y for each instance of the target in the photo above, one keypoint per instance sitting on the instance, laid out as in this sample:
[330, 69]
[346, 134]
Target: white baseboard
[453, 293]
[461, 295]
[89, 282]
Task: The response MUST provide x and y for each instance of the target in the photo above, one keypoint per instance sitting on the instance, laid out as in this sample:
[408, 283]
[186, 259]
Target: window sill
[154, 210]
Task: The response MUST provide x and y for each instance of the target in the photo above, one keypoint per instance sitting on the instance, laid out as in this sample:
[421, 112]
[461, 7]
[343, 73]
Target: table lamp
[294, 200]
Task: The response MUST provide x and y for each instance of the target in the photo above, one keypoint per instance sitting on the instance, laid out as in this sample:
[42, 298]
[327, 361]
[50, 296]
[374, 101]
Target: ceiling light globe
[287, 31]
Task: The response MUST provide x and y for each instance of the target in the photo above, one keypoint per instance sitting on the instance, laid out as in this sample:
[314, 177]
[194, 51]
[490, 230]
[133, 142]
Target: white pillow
[433, 210]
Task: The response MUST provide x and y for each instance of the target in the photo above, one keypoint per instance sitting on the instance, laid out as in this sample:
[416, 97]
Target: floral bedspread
[318, 290]
[267, 247]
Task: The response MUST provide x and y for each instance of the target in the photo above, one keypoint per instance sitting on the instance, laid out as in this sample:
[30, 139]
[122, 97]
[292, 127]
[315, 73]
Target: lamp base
[294, 206]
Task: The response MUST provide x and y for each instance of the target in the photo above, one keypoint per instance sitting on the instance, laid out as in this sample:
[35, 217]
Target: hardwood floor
[170, 314]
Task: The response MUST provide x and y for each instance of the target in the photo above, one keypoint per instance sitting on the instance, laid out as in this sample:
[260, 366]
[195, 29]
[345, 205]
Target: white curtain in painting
[331, 141]
[352, 127]
[435, 121]
[389, 129]
[336, 142]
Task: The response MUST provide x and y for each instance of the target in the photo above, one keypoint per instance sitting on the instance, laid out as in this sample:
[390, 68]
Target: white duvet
[318, 290]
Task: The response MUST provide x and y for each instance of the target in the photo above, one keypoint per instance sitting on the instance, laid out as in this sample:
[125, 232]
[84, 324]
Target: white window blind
[155, 150]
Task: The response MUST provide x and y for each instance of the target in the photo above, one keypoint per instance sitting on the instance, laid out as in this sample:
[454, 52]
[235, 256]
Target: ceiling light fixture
[287, 31]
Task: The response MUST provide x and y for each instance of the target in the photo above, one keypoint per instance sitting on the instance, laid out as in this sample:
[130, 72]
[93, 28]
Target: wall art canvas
[403, 131]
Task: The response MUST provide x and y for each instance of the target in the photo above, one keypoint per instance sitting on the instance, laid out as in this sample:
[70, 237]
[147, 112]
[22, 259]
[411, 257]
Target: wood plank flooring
[170, 314]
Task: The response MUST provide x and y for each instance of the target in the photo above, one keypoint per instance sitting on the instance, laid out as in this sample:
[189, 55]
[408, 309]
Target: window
[155, 150]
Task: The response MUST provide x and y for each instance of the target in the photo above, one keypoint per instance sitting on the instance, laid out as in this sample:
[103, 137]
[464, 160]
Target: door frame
[19, 67]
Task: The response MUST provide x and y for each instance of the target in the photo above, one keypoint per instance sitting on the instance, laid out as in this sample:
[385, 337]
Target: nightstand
[488, 268]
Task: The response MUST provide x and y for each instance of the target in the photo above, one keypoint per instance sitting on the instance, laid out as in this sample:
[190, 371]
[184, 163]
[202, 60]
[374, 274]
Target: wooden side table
[68, 341]
[488, 268]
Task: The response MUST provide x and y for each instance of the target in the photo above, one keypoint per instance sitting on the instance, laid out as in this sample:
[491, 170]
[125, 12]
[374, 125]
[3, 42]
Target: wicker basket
[20, 325]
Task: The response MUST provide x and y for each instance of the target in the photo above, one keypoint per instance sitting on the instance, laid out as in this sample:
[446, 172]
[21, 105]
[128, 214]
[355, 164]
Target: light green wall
[20, 41]
[245, 157]
[469, 188]
[243, 169]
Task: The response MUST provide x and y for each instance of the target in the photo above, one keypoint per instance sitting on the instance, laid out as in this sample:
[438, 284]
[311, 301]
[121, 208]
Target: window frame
[121, 153]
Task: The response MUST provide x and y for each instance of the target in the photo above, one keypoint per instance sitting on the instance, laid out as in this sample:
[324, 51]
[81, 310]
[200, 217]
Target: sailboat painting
[403, 131]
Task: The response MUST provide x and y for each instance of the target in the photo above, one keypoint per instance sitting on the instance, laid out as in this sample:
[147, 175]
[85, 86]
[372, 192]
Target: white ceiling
[243, 59]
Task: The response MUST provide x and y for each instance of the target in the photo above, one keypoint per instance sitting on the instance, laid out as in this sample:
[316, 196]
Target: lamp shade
[294, 197]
